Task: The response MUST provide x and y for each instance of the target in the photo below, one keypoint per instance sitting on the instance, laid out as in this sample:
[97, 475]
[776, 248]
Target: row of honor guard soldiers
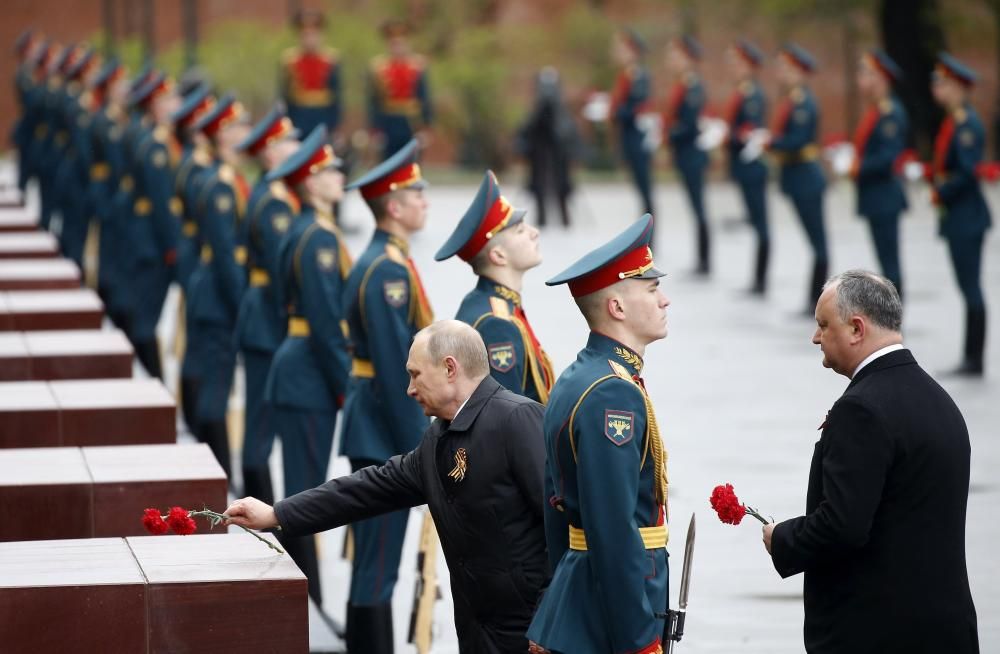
[879, 162]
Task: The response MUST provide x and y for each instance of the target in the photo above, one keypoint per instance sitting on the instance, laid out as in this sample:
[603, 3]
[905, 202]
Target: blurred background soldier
[108, 90]
[684, 107]
[746, 112]
[795, 148]
[152, 234]
[260, 324]
[549, 141]
[628, 99]
[965, 216]
[879, 140]
[216, 286]
[310, 77]
[399, 101]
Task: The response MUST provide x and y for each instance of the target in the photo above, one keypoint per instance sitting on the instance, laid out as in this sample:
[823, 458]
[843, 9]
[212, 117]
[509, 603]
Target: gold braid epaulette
[654, 441]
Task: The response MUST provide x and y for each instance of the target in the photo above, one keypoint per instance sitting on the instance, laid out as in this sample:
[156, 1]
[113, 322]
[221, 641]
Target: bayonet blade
[686, 571]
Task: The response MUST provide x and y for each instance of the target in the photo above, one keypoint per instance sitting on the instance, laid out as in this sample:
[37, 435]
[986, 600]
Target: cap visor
[652, 273]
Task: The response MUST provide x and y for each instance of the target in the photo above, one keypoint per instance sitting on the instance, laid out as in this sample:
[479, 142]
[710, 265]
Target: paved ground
[739, 392]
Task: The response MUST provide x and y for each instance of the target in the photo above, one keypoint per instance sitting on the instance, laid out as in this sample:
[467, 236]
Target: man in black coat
[479, 469]
[882, 544]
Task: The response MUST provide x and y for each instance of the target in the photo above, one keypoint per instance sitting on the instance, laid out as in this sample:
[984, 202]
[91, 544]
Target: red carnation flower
[728, 506]
[153, 522]
[180, 521]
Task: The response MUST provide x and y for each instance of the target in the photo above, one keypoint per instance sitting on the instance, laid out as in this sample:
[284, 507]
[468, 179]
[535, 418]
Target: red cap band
[231, 113]
[630, 264]
[400, 178]
[494, 221]
[277, 130]
[321, 159]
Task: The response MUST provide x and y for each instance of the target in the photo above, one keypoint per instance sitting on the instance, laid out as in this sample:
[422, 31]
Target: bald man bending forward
[478, 467]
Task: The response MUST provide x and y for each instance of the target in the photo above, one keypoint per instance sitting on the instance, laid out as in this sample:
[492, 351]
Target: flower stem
[217, 518]
[753, 512]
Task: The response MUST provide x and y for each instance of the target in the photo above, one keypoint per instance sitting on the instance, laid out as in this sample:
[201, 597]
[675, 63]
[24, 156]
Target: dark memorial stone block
[36, 274]
[71, 596]
[15, 363]
[29, 415]
[231, 593]
[78, 308]
[28, 245]
[92, 412]
[79, 354]
[64, 354]
[129, 478]
[17, 220]
[115, 412]
[45, 492]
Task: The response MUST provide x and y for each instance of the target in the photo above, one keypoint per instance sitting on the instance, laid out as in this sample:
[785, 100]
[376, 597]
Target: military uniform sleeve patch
[801, 116]
[160, 158]
[619, 426]
[890, 129]
[966, 138]
[223, 202]
[280, 222]
[396, 292]
[503, 356]
[326, 259]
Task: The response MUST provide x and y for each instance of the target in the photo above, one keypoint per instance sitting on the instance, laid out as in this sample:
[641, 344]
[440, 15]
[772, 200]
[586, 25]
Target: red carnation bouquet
[728, 506]
[181, 522]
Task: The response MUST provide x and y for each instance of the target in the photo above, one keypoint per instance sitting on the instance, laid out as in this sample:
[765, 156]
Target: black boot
[216, 435]
[760, 269]
[189, 400]
[257, 483]
[369, 629]
[819, 275]
[704, 246]
[302, 549]
[975, 343]
[148, 353]
[564, 209]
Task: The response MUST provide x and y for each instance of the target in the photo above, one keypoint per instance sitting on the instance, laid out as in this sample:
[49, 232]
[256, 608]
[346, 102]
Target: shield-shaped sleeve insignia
[967, 138]
[801, 116]
[503, 356]
[326, 259]
[223, 202]
[890, 129]
[396, 292]
[159, 158]
[280, 222]
[619, 426]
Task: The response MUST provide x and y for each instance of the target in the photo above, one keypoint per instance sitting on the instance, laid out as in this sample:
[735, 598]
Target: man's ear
[496, 255]
[615, 307]
[858, 327]
[451, 367]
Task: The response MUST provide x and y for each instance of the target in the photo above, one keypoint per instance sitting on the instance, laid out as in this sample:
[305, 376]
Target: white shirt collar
[876, 354]
[460, 409]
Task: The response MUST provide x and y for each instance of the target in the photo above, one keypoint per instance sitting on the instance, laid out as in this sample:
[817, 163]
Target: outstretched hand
[768, 529]
[251, 513]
